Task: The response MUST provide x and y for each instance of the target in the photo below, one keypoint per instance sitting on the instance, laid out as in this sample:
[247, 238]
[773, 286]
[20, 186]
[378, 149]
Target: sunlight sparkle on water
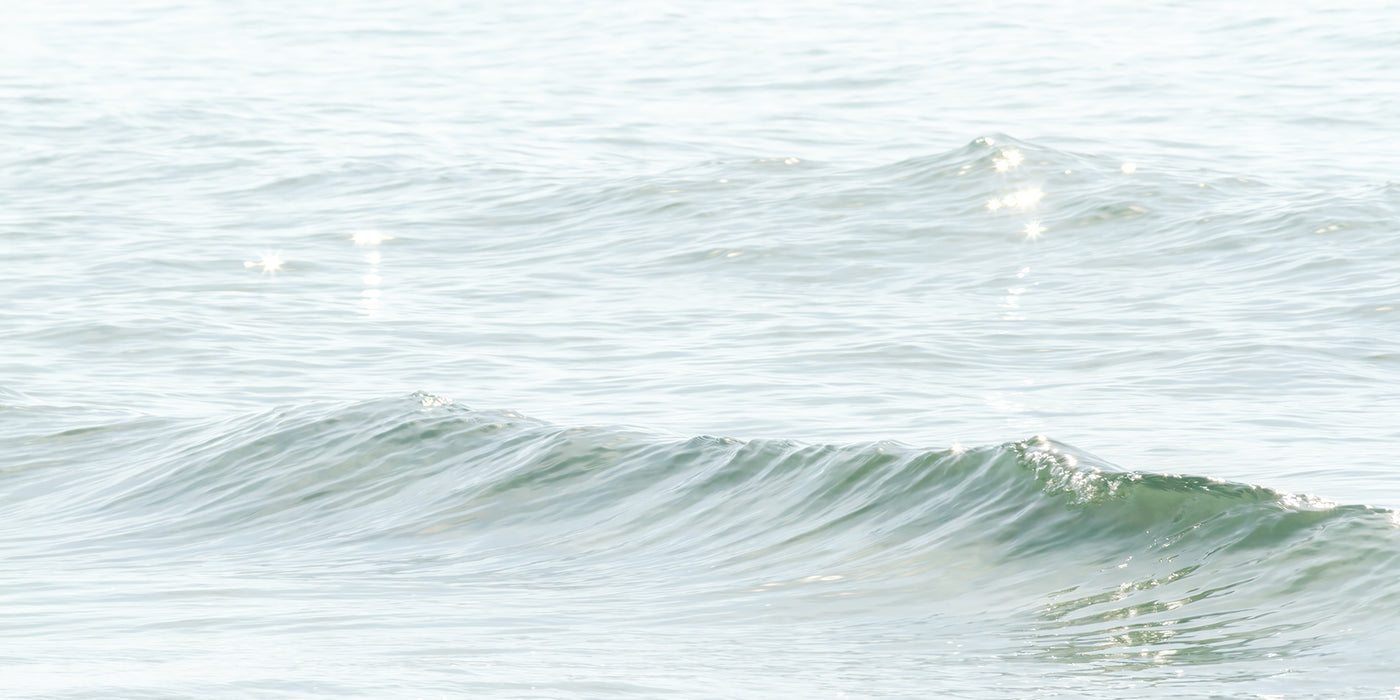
[1022, 199]
[1009, 159]
[370, 237]
[1033, 230]
[271, 263]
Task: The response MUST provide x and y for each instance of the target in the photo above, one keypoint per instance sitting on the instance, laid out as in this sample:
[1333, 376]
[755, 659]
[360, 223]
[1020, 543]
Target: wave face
[421, 544]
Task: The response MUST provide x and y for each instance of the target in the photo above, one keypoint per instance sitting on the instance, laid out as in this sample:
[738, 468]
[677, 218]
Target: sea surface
[699, 349]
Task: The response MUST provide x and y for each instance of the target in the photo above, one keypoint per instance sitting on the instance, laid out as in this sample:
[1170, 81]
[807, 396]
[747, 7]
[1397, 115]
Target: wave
[385, 469]
[1080, 560]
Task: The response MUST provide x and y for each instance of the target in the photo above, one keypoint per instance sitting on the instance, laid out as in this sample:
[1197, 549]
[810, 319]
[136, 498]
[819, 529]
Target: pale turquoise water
[699, 350]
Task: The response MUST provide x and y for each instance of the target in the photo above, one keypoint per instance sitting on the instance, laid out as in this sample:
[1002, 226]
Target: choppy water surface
[704, 350]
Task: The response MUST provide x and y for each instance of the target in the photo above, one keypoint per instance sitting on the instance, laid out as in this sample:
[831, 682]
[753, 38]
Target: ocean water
[699, 350]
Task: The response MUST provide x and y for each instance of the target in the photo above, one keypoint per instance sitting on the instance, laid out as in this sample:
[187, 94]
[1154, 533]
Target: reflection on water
[1021, 199]
[371, 296]
[1124, 628]
[368, 238]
